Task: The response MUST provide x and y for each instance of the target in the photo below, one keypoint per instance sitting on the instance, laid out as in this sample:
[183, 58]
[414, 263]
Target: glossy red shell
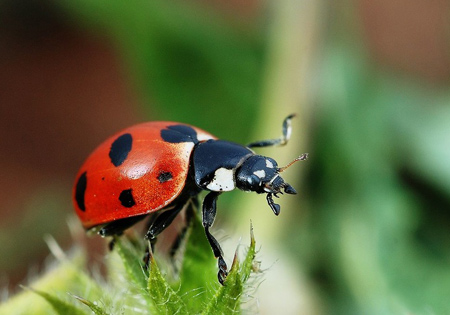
[149, 157]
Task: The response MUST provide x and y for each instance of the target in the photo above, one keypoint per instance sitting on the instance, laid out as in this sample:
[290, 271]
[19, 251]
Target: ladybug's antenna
[302, 157]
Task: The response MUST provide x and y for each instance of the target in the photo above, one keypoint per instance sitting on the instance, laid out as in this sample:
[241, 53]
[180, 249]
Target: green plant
[129, 287]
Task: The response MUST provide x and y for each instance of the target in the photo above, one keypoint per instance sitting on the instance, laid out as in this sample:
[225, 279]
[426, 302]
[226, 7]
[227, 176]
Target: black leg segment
[208, 215]
[162, 221]
[158, 224]
[286, 134]
[117, 227]
[189, 216]
[275, 207]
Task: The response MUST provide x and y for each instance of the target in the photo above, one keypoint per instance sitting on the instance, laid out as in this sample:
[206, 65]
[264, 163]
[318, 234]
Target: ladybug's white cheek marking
[260, 173]
[269, 164]
[223, 180]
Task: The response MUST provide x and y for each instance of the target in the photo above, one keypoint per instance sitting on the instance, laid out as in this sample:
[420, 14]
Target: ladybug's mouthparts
[274, 186]
[288, 189]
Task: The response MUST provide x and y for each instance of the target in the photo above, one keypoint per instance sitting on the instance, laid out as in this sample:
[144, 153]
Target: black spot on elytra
[80, 190]
[126, 198]
[179, 133]
[164, 177]
[120, 149]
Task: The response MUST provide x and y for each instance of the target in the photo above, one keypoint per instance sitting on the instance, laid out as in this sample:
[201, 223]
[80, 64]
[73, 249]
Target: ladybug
[158, 168]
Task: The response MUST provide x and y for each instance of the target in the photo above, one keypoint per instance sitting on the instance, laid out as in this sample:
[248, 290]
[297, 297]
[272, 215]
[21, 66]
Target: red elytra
[153, 169]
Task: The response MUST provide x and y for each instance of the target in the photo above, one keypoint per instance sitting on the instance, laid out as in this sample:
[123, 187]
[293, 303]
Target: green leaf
[67, 276]
[199, 268]
[198, 290]
[132, 261]
[164, 299]
[227, 297]
[59, 305]
[93, 306]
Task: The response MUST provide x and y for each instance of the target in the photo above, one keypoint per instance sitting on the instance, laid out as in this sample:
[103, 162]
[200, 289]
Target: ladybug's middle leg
[159, 224]
[189, 216]
[208, 216]
[162, 221]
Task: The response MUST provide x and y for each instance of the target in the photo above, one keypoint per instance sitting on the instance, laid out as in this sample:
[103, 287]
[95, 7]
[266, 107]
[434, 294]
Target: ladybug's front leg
[208, 216]
[285, 136]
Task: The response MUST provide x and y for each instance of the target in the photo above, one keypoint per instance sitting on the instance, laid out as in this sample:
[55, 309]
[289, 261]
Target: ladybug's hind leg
[208, 216]
[117, 227]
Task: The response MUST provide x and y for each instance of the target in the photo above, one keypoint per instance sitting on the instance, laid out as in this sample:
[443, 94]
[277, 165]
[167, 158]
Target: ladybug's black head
[262, 175]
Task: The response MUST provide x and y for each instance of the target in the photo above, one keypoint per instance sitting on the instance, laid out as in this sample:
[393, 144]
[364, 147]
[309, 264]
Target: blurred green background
[368, 232]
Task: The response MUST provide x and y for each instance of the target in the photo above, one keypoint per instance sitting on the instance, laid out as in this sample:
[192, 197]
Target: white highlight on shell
[260, 173]
[223, 180]
[137, 171]
[269, 164]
